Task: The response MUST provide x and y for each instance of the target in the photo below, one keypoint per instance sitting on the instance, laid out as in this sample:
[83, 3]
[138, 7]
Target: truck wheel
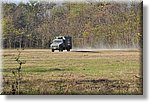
[68, 49]
[61, 49]
[52, 50]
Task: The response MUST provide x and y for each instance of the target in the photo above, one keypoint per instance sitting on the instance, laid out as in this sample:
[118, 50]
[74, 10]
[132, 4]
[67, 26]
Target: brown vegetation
[103, 72]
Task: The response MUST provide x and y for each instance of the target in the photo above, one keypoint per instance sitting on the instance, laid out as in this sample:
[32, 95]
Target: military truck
[61, 43]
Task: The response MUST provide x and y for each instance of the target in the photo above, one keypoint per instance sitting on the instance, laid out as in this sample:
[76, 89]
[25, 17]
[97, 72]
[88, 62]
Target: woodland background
[92, 25]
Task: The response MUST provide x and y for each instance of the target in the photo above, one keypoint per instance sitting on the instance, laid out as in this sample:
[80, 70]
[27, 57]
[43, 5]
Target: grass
[101, 72]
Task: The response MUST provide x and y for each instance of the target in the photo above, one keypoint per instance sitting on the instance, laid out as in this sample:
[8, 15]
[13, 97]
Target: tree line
[95, 25]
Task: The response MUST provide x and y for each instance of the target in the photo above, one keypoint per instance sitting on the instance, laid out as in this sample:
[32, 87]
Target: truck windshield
[57, 41]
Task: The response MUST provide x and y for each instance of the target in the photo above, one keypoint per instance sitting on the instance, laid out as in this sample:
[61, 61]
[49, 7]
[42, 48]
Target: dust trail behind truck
[61, 43]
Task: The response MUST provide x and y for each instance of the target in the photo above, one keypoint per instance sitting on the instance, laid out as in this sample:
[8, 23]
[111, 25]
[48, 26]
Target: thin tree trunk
[9, 43]
[20, 43]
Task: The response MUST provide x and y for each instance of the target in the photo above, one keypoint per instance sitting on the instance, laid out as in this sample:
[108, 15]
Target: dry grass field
[98, 72]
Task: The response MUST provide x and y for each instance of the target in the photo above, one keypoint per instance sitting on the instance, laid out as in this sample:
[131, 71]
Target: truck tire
[68, 49]
[52, 50]
[61, 49]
